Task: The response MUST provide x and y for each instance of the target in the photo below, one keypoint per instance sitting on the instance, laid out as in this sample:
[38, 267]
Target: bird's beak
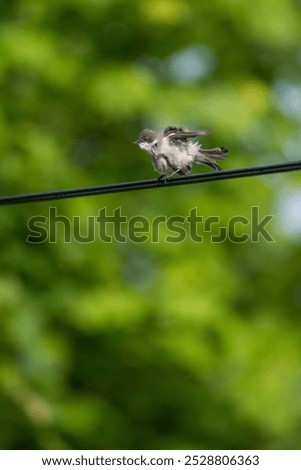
[136, 142]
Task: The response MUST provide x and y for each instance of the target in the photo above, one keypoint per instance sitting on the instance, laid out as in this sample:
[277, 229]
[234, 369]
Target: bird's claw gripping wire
[162, 179]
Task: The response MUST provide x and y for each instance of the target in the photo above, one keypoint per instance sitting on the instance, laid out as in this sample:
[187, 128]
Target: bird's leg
[184, 171]
[164, 178]
[176, 171]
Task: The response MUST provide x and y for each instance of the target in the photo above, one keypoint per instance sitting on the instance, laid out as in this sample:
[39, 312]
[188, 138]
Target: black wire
[154, 183]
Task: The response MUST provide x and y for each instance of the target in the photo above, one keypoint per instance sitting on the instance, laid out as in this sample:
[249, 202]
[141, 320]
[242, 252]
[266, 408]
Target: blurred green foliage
[153, 345]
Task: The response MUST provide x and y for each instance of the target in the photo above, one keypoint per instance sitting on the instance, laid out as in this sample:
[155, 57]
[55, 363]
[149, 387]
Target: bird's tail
[208, 157]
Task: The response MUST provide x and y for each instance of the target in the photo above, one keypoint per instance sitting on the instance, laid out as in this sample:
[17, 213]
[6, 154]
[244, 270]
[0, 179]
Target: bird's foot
[162, 179]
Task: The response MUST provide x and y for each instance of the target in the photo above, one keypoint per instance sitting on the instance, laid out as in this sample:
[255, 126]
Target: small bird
[173, 150]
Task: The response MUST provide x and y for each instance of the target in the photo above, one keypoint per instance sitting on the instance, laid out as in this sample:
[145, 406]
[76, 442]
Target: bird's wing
[169, 130]
[187, 134]
[179, 133]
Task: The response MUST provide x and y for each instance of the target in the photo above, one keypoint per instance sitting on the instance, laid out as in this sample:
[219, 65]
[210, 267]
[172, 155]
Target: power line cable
[151, 184]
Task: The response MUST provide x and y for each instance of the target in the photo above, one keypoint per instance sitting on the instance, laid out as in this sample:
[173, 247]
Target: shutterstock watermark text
[120, 228]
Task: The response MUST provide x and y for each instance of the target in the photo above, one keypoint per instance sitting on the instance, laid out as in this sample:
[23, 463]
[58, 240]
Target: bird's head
[146, 139]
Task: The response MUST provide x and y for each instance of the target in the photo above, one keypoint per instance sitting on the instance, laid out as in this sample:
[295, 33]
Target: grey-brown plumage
[173, 150]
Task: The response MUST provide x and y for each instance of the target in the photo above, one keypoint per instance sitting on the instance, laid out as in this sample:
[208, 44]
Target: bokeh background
[154, 345]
